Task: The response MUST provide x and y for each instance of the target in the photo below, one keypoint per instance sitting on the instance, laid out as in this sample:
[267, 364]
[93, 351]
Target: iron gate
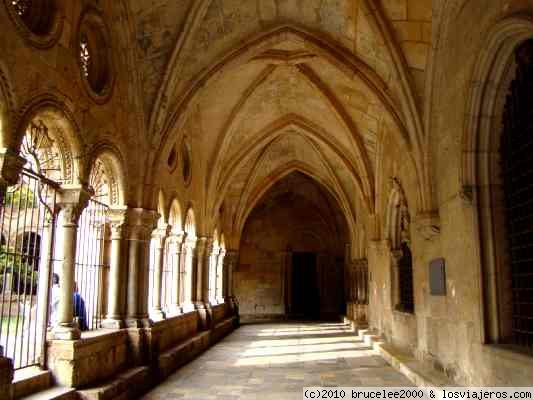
[27, 224]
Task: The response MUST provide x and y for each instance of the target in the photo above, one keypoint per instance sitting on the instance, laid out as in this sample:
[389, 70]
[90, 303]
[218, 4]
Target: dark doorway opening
[305, 295]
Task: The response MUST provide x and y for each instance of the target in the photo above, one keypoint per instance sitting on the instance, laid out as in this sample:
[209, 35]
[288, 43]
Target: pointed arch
[175, 217]
[215, 238]
[275, 130]
[222, 242]
[190, 224]
[283, 171]
[161, 208]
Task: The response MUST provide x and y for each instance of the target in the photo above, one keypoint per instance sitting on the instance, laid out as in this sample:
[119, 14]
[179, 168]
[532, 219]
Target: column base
[138, 322]
[157, 315]
[113, 323]
[174, 310]
[205, 312]
[188, 307]
[66, 333]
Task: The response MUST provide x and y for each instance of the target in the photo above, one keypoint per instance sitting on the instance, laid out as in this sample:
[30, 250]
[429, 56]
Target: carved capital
[428, 225]
[177, 239]
[117, 217]
[230, 258]
[360, 263]
[141, 223]
[210, 247]
[396, 255]
[72, 200]
[190, 244]
[160, 234]
[10, 166]
[201, 246]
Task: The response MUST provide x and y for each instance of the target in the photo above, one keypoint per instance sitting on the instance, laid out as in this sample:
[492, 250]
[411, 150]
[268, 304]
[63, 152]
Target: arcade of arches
[170, 170]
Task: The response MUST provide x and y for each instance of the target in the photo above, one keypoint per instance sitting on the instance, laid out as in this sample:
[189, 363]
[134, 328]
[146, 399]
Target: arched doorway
[292, 254]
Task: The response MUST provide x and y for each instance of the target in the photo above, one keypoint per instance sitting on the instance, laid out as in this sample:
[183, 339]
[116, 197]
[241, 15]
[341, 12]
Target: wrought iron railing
[92, 267]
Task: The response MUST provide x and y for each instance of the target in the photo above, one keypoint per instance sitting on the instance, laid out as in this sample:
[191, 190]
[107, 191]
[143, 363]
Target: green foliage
[20, 268]
[22, 197]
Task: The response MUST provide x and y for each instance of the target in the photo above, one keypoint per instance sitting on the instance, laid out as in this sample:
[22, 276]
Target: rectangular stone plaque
[437, 277]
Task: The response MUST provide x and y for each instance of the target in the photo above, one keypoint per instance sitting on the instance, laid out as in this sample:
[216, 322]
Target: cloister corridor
[276, 360]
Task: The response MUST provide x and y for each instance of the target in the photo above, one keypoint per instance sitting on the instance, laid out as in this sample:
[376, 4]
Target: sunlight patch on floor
[296, 342]
[302, 348]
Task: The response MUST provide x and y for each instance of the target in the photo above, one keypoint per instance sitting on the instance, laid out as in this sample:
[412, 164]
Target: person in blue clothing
[79, 309]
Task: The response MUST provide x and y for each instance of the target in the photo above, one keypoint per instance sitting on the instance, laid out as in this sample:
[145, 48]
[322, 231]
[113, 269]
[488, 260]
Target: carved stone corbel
[428, 225]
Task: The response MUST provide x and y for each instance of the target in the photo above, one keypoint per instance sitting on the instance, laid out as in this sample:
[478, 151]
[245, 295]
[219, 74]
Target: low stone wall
[219, 312]
[106, 364]
[78, 363]
[174, 330]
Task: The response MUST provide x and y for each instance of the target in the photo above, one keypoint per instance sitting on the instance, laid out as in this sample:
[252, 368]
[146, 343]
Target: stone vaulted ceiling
[274, 86]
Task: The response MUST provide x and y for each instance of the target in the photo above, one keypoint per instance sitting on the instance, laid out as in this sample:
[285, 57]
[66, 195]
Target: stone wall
[450, 333]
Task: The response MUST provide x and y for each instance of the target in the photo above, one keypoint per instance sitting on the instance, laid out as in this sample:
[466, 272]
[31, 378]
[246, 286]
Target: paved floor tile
[275, 361]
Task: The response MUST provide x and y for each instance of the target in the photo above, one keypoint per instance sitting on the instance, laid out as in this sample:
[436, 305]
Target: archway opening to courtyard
[292, 249]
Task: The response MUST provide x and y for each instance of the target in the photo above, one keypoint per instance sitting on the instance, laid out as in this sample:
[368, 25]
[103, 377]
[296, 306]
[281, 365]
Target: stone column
[213, 262]
[72, 200]
[45, 273]
[176, 247]
[141, 223]
[159, 236]
[230, 260]
[115, 291]
[188, 278]
[199, 263]
[203, 250]
[219, 274]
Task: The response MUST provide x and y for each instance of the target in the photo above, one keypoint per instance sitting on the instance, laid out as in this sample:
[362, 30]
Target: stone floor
[275, 361]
